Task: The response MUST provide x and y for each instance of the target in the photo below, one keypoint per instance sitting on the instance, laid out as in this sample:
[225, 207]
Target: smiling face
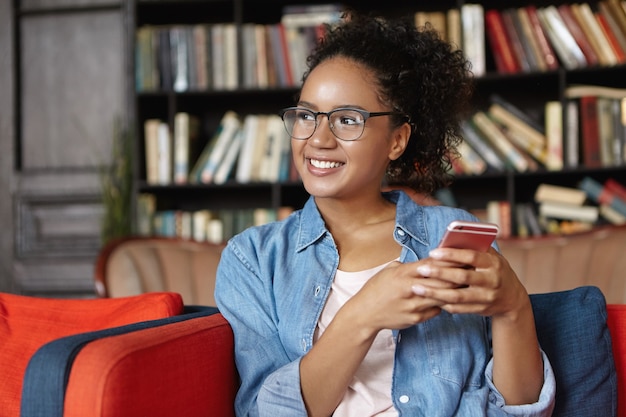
[332, 168]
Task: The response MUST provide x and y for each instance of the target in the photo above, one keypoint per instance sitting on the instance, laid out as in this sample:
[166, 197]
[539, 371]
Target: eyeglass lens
[345, 124]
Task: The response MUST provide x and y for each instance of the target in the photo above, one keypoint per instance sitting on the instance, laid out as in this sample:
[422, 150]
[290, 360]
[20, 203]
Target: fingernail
[435, 253]
[418, 290]
[423, 270]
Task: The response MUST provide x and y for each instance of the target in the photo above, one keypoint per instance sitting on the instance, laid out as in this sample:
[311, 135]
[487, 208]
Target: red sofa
[183, 364]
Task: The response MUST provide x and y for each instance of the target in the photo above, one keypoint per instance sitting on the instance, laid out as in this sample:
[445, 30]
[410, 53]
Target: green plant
[116, 182]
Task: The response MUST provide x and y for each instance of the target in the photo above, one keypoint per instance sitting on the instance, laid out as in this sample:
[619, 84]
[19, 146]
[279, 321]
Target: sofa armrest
[183, 366]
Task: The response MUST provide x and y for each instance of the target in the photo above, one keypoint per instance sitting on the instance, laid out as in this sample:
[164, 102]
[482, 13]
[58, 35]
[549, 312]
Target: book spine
[589, 131]
[515, 40]
[505, 61]
[499, 140]
[616, 188]
[607, 31]
[542, 40]
[554, 135]
[602, 195]
[579, 35]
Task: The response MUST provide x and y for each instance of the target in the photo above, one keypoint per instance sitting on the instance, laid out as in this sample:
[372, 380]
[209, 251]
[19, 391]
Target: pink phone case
[469, 235]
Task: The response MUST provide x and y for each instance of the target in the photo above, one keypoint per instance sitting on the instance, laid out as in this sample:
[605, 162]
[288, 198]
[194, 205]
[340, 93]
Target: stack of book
[576, 35]
[255, 149]
[214, 226]
[206, 56]
[591, 134]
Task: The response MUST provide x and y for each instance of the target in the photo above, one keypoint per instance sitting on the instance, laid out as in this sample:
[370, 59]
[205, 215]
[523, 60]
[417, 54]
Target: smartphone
[469, 235]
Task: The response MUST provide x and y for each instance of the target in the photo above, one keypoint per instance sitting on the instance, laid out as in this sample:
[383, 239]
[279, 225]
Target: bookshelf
[528, 89]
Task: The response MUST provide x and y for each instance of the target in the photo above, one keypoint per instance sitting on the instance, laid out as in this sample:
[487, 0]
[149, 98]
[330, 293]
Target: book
[196, 171]
[151, 152]
[611, 22]
[180, 55]
[589, 132]
[589, 25]
[531, 55]
[618, 13]
[165, 160]
[218, 57]
[532, 136]
[186, 130]
[473, 30]
[611, 215]
[584, 213]
[481, 145]
[606, 132]
[554, 135]
[602, 195]
[244, 162]
[581, 90]
[453, 27]
[231, 59]
[506, 62]
[616, 188]
[227, 166]
[614, 42]
[565, 46]
[559, 194]
[436, 20]
[581, 37]
[571, 134]
[515, 40]
[471, 162]
[229, 125]
[499, 141]
[544, 45]
[528, 34]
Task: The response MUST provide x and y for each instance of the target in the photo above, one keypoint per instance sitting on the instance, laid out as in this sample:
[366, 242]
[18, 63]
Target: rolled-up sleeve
[542, 408]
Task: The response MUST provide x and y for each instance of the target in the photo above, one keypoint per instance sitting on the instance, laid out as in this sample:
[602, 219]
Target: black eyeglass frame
[366, 115]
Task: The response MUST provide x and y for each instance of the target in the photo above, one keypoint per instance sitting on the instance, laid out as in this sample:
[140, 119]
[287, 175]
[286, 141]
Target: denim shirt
[273, 282]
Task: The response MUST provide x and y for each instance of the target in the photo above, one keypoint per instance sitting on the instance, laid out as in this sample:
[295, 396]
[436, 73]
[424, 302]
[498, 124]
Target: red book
[581, 39]
[589, 132]
[541, 37]
[506, 62]
[615, 46]
[616, 188]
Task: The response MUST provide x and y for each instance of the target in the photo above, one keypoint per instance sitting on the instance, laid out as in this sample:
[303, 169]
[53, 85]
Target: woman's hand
[488, 286]
[387, 300]
[479, 282]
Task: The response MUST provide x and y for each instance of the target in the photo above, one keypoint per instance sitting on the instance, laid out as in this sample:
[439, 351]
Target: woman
[346, 308]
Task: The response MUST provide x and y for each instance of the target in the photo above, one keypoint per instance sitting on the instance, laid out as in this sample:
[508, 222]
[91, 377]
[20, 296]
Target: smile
[325, 164]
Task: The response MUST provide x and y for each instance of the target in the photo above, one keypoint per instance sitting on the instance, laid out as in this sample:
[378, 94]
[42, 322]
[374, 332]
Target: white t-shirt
[369, 392]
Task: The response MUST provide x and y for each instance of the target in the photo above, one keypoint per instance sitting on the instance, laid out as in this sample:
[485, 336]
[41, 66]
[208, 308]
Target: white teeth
[325, 164]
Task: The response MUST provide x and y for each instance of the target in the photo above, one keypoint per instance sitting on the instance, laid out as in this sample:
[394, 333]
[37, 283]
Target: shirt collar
[410, 218]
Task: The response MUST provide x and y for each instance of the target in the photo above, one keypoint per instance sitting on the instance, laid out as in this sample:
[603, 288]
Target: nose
[323, 137]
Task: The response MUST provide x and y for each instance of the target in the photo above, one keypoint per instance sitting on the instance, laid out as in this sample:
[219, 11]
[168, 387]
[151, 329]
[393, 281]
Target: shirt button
[400, 232]
[404, 399]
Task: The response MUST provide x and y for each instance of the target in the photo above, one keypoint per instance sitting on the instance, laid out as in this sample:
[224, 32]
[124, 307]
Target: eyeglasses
[345, 123]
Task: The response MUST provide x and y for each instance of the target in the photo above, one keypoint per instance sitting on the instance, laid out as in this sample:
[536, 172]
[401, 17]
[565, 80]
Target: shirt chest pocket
[458, 348]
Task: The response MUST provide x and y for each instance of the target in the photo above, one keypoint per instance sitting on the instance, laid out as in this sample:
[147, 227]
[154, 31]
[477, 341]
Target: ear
[399, 141]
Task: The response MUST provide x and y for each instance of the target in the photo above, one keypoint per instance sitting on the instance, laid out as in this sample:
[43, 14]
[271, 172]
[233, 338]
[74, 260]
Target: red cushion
[617, 326]
[27, 323]
[185, 368]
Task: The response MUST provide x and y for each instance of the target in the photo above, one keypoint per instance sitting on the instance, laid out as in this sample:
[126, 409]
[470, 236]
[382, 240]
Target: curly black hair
[420, 76]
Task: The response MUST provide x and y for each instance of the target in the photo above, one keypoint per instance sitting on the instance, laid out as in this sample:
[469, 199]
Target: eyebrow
[347, 106]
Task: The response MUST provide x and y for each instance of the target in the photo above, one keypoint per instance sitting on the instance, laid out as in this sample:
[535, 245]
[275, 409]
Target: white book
[473, 29]
[561, 38]
[182, 144]
[180, 56]
[244, 163]
[151, 143]
[230, 159]
[554, 135]
[550, 209]
[230, 124]
[165, 155]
